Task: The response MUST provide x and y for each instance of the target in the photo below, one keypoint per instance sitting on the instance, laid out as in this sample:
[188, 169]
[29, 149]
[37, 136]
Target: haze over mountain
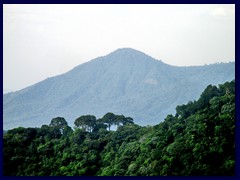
[125, 81]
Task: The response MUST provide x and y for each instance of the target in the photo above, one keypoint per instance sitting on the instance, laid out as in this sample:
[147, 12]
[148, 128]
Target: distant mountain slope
[125, 81]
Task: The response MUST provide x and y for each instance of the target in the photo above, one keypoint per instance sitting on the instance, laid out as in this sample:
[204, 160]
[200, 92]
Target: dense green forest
[198, 140]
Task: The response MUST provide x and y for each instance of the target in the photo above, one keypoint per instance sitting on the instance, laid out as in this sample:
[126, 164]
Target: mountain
[125, 81]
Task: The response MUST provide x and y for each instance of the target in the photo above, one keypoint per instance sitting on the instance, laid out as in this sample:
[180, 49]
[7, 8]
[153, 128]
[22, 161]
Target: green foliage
[109, 119]
[198, 140]
[87, 122]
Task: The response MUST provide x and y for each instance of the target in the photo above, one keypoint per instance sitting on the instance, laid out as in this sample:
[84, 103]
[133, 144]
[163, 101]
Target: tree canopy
[198, 140]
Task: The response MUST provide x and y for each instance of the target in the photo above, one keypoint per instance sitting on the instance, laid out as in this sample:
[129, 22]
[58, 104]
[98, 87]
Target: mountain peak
[128, 54]
[127, 51]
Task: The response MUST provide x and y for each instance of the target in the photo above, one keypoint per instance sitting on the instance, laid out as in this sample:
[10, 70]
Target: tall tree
[58, 124]
[109, 119]
[86, 122]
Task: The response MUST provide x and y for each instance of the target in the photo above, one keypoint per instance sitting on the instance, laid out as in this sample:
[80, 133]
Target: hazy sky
[40, 41]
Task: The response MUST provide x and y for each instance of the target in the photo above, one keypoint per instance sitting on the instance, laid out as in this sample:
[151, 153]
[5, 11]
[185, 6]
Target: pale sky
[41, 41]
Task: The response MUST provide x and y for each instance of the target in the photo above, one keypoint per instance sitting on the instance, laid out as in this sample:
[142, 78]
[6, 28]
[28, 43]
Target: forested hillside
[197, 140]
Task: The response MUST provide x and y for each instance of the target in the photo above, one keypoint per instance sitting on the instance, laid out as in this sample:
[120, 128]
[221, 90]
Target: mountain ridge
[117, 52]
[125, 81]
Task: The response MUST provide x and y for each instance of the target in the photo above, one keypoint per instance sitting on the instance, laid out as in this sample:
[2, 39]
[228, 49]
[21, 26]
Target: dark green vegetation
[198, 140]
